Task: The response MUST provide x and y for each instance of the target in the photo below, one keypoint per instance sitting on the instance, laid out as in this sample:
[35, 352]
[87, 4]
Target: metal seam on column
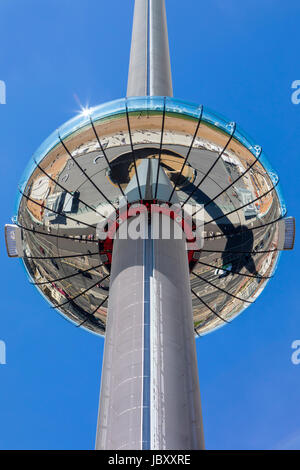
[142, 371]
[148, 270]
[152, 348]
[153, 355]
[148, 49]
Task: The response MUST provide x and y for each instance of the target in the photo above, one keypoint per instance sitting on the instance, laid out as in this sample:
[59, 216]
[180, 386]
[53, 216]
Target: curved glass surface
[77, 176]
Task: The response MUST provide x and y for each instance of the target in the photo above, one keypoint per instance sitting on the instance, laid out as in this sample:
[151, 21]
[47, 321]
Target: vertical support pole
[149, 67]
[150, 395]
[160, 76]
[138, 65]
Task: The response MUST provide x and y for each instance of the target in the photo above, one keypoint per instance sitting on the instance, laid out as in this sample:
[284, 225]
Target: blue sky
[238, 58]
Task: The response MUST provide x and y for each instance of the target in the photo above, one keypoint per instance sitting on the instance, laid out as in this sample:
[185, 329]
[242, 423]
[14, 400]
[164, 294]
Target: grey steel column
[160, 79]
[150, 395]
[138, 65]
[149, 68]
[175, 418]
[121, 396]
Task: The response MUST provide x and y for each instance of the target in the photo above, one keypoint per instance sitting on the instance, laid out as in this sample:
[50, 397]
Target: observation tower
[150, 221]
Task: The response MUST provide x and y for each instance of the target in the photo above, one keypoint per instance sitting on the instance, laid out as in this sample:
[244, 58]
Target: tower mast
[149, 67]
[150, 396]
